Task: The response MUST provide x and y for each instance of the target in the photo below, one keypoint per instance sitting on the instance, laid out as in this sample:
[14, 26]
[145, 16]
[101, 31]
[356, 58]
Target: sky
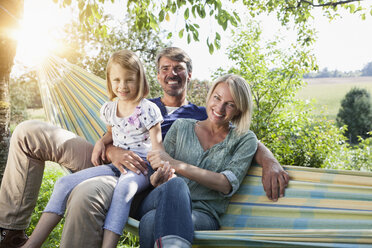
[343, 44]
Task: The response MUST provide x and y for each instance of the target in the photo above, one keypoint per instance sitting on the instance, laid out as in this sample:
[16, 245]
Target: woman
[211, 158]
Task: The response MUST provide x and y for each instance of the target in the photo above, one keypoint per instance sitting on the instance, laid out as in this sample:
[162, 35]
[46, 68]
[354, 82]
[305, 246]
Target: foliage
[282, 123]
[24, 93]
[149, 14]
[356, 113]
[197, 91]
[367, 69]
[325, 73]
[92, 52]
[346, 157]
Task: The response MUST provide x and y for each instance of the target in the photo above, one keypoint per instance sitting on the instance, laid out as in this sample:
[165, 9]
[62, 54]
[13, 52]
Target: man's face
[173, 76]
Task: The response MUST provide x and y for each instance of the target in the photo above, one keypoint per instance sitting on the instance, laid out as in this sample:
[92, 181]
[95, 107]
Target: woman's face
[221, 108]
[124, 82]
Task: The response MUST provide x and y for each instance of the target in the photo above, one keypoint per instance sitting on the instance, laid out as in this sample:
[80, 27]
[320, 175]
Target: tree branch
[333, 4]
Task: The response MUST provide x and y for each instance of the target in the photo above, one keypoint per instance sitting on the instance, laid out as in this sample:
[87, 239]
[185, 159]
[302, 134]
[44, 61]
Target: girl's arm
[155, 137]
[99, 150]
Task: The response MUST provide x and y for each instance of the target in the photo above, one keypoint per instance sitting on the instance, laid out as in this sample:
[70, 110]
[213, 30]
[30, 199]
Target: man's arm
[274, 178]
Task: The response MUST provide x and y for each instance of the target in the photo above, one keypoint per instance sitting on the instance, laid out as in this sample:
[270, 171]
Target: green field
[328, 93]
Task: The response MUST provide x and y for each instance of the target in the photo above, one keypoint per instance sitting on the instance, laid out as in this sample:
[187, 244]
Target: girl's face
[221, 108]
[124, 82]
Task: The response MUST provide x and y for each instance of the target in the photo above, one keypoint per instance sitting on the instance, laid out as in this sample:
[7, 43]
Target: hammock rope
[321, 208]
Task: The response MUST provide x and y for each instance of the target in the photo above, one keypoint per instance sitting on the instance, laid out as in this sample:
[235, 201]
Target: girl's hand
[99, 153]
[157, 158]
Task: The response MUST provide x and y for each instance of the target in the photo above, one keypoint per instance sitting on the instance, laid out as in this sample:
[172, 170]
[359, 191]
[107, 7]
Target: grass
[328, 93]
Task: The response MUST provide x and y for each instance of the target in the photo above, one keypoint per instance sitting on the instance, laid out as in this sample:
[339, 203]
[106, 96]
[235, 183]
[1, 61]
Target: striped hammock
[321, 208]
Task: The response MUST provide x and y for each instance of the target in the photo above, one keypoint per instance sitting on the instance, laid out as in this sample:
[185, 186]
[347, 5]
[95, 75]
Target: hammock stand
[321, 208]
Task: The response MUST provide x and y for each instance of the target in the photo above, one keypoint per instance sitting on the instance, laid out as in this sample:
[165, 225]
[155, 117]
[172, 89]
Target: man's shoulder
[193, 111]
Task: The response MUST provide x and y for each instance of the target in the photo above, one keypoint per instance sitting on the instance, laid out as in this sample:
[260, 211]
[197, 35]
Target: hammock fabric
[321, 208]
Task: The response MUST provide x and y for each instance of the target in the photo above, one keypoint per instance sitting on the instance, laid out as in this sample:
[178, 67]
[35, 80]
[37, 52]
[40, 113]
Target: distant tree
[356, 113]
[367, 69]
[24, 94]
[92, 52]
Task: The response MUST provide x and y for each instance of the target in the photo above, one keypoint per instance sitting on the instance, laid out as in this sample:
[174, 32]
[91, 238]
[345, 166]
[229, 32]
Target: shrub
[356, 113]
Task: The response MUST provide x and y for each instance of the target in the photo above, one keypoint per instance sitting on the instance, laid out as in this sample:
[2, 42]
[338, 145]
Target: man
[33, 143]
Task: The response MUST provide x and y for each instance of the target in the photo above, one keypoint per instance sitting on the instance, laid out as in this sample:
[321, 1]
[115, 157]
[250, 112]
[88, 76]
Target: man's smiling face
[173, 76]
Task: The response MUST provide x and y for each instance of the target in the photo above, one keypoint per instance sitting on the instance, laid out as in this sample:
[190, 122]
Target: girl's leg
[128, 185]
[32, 143]
[57, 204]
[166, 212]
[43, 228]
[64, 186]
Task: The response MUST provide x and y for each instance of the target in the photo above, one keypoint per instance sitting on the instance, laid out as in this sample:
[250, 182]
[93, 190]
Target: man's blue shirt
[189, 110]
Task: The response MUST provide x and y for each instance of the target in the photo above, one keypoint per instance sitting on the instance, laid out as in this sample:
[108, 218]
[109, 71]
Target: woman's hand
[157, 158]
[99, 153]
[162, 175]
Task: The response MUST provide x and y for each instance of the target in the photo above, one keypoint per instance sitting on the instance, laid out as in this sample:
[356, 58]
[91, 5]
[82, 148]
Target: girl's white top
[132, 132]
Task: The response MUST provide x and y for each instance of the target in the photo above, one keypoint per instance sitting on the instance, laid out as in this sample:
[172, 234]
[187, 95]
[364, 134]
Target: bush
[348, 157]
[356, 114]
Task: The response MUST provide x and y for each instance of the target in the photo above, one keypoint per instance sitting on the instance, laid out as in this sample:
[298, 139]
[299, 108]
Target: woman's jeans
[127, 186]
[167, 211]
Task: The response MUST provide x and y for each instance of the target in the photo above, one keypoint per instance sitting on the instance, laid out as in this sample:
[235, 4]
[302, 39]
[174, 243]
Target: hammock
[321, 208]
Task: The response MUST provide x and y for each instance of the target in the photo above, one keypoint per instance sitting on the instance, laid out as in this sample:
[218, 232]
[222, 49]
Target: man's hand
[162, 174]
[122, 159]
[99, 153]
[274, 180]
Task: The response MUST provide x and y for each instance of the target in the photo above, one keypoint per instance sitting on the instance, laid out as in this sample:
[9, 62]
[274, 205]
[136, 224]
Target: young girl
[133, 123]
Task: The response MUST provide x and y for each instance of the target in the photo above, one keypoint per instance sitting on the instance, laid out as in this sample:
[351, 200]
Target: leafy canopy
[149, 14]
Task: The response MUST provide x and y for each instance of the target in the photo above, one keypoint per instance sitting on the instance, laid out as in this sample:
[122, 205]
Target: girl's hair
[175, 54]
[241, 93]
[129, 61]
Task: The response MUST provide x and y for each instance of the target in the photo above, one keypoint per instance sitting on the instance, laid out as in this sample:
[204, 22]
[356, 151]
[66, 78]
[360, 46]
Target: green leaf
[188, 38]
[161, 15]
[180, 33]
[167, 17]
[218, 36]
[352, 8]
[195, 35]
[186, 14]
[193, 11]
[169, 35]
[211, 48]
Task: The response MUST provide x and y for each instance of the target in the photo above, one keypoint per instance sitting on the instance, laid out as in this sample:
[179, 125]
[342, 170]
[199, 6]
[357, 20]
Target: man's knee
[94, 194]
[27, 128]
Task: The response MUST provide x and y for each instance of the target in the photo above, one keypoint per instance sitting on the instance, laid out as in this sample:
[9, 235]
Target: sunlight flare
[39, 33]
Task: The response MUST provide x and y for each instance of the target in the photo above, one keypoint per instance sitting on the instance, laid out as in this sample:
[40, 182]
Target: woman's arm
[210, 179]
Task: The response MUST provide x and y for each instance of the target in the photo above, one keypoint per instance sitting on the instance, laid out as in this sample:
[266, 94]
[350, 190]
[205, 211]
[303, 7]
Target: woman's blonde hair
[130, 61]
[242, 96]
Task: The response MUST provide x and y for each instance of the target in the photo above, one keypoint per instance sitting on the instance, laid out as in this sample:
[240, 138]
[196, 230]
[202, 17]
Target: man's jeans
[167, 211]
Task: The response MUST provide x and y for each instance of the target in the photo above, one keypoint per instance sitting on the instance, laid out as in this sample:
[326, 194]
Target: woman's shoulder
[249, 135]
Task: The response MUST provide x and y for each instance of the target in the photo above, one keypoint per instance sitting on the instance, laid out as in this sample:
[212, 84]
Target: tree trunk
[10, 13]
